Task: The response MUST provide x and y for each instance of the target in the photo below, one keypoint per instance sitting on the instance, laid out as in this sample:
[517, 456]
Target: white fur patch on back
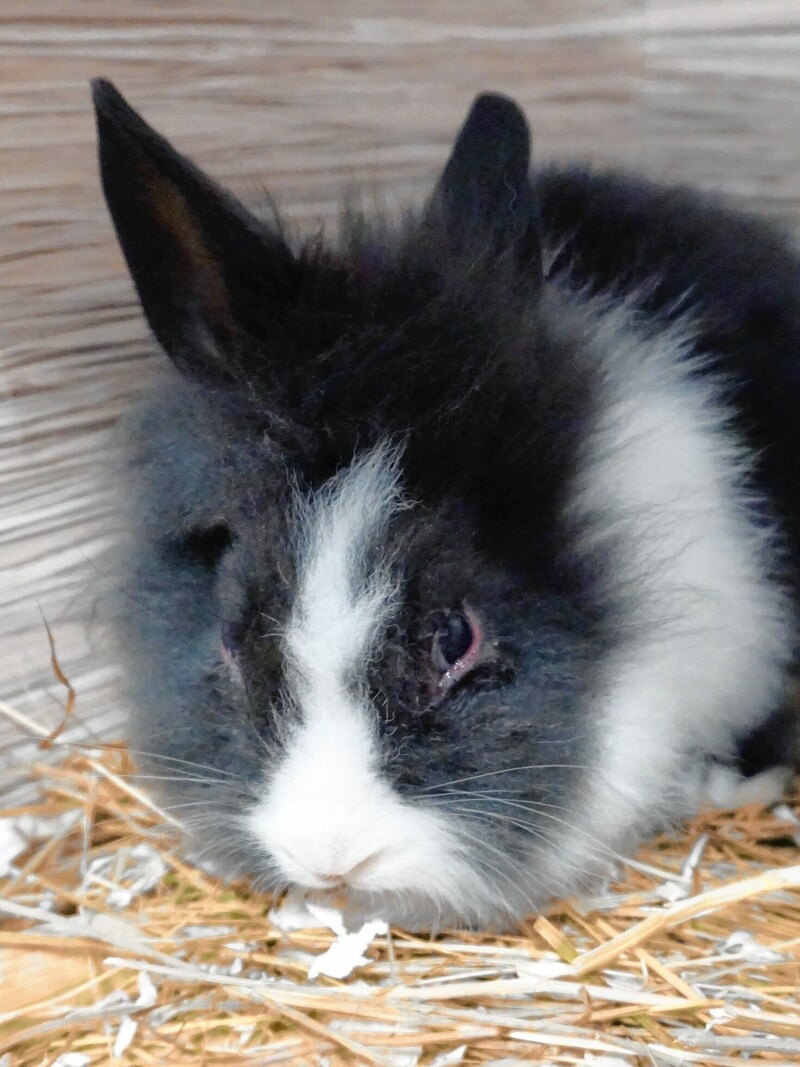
[662, 499]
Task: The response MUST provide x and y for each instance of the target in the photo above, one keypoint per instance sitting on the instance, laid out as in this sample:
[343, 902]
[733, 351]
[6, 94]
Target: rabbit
[459, 548]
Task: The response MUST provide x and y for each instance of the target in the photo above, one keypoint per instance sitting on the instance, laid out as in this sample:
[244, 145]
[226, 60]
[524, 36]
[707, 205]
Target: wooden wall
[302, 97]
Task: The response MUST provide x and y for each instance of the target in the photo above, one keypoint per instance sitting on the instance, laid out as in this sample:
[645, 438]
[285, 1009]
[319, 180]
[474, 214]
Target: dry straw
[113, 948]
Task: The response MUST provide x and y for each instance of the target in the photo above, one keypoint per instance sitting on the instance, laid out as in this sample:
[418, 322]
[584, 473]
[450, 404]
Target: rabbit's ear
[208, 273]
[484, 197]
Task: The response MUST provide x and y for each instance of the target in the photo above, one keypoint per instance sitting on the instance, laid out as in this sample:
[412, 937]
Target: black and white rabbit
[462, 548]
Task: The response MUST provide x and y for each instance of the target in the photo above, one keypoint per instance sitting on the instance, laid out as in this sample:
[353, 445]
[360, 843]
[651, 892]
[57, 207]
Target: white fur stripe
[345, 588]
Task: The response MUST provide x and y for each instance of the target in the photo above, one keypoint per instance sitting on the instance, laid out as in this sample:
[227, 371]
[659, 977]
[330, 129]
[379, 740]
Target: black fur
[441, 333]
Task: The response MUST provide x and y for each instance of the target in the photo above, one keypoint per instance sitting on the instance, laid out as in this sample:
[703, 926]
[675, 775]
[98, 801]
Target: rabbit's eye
[453, 639]
[207, 547]
[456, 646]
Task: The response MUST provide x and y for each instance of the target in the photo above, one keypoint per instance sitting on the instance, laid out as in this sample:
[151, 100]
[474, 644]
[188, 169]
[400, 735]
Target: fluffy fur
[589, 453]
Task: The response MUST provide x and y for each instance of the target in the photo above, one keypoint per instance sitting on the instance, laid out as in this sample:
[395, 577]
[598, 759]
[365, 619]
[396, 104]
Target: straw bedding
[113, 946]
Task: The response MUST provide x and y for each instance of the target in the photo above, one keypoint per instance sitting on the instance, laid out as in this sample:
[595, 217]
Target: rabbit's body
[463, 549]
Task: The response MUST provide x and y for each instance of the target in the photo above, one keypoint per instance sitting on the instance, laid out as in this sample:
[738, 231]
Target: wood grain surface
[304, 98]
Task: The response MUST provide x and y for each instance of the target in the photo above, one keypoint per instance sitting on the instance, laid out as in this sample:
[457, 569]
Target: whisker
[539, 809]
[228, 786]
[517, 866]
[186, 804]
[507, 770]
[498, 816]
[490, 866]
[483, 794]
[534, 831]
[193, 779]
[184, 762]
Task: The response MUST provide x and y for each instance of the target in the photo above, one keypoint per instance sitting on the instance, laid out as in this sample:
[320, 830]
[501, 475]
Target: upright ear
[208, 273]
[484, 197]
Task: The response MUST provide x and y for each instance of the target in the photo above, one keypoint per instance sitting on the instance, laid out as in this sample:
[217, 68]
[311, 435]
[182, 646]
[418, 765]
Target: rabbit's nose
[336, 873]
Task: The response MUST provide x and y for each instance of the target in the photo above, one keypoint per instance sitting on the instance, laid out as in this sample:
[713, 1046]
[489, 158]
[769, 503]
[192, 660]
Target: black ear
[484, 196]
[208, 273]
